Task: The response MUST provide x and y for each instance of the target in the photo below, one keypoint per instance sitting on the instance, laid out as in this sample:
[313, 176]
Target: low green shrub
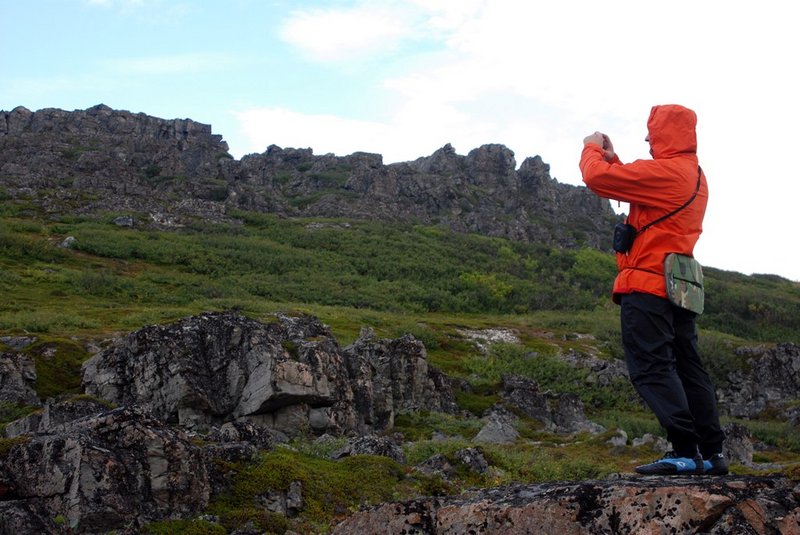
[635, 423]
[421, 425]
[186, 527]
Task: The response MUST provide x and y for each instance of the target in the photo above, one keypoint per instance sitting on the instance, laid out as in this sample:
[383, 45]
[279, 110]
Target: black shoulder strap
[672, 213]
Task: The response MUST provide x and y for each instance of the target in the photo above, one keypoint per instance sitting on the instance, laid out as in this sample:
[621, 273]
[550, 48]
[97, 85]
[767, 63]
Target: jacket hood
[672, 131]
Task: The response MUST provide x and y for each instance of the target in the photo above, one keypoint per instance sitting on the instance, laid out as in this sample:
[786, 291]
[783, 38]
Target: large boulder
[630, 505]
[559, 413]
[289, 375]
[393, 376]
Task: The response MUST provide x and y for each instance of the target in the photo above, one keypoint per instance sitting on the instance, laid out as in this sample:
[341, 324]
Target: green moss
[422, 425]
[329, 487]
[793, 472]
[185, 527]
[476, 402]
[291, 348]
[88, 397]
[58, 366]
[7, 443]
[538, 463]
[249, 515]
[550, 373]
[13, 411]
[365, 266]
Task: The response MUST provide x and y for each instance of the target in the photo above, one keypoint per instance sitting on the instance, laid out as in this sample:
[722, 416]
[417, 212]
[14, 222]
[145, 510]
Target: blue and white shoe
[716, 465]
[671, 465]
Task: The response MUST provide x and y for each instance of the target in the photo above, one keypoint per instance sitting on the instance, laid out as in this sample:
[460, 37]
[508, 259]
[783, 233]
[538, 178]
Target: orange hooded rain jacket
[654, 188]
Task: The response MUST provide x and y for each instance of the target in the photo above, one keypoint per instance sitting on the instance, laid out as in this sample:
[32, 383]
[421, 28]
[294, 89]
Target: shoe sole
[673, 467]
[717, 472]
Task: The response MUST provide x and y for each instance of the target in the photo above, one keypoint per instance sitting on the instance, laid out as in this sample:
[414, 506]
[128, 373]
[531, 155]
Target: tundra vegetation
[396, 279]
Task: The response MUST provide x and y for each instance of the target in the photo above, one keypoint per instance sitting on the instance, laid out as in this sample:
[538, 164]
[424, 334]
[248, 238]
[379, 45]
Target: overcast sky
[405, 77]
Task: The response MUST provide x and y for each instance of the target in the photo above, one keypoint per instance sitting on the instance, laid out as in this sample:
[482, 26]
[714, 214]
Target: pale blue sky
[404, 77]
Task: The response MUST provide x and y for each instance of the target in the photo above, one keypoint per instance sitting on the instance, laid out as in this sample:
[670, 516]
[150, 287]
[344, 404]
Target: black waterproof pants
[660, 342]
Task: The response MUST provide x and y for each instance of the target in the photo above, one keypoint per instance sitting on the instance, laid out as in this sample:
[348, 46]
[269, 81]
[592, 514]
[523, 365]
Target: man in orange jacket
[660, 338]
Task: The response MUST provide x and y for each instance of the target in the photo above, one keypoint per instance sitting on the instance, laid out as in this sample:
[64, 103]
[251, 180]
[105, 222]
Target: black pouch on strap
[624, 234]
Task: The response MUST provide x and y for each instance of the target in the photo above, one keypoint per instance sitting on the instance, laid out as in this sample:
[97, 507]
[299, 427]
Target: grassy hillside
[396, 279]
[147, 275]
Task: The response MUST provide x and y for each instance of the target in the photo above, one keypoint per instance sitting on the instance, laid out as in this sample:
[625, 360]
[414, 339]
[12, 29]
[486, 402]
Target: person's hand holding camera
[598, 138]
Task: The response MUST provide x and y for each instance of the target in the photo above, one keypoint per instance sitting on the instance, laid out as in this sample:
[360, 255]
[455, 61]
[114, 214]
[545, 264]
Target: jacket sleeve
[645, 182]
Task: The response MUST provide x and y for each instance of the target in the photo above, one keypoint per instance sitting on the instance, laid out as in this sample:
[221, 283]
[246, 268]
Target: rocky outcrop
[603, 372]
[165, 172]
[18, 379]
[768, 382]
[391, 376]
[194, 397]
[55, 413]
[289, 375]
[372, 445]
[559, 413]
[102, 473]
[499, 427]
[470, 459]
[732, 505]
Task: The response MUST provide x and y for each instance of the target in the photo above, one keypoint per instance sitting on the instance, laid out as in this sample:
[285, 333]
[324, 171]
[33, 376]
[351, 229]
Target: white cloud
[346, 34]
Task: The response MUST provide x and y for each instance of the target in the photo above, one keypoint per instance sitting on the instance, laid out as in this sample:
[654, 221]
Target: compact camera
[624, 234]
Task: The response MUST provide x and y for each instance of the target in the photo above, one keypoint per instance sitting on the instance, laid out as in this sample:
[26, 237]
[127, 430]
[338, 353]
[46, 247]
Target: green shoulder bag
[684, 277]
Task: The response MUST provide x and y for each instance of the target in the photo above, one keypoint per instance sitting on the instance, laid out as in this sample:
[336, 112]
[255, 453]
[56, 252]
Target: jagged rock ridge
[100, 159]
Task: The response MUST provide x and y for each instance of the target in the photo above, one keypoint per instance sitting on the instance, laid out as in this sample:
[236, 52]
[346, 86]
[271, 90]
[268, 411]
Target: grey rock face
[18, 517]
[499, 427]
[246, 432]
[290, 375]
[770, 380]
[391, 376]
[18, 379]
[371, 445]
[660, 444]
[17, 343]
[136, 163]
[438, 465]
[603, 372]
[473, 459]
[105, 472]
[738, 445]
[560, 413]
[54, 415]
